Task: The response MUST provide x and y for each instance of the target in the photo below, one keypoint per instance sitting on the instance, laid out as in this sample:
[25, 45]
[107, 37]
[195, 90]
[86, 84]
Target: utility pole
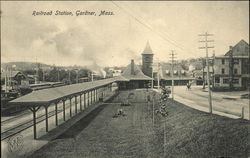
[158, 76]
[77, 77]
[43, 75]
[172, 57]
[213, 69]
[203, 77]
[92, 76]
[231, 68]
[208, 74]
[6, 78]
[69, 77]
[58, 75]
[36, 76]
[152, 81]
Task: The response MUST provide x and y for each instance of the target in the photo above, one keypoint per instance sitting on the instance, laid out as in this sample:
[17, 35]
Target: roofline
[220, 57]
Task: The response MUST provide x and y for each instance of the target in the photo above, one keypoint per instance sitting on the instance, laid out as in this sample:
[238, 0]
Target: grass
[189, 133]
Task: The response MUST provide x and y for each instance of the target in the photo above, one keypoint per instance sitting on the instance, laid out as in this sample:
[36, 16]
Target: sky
[113, 40]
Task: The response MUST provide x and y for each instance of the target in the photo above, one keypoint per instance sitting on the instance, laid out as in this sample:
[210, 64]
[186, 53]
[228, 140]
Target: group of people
[120, 112]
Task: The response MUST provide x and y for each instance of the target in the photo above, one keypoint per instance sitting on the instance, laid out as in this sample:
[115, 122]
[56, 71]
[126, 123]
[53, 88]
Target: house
[12, 79]
[231, 71]
[175, 73]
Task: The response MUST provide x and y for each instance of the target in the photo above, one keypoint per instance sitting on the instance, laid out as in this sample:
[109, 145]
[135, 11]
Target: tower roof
[147, 49]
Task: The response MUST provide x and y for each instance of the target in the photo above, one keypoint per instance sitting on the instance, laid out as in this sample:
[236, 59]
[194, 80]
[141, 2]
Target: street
[223, 102]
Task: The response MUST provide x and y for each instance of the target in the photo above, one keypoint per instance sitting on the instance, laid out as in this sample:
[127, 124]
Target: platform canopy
[47, 96]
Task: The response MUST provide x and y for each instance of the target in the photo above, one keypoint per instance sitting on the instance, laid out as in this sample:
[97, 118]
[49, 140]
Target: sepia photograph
[125, 79]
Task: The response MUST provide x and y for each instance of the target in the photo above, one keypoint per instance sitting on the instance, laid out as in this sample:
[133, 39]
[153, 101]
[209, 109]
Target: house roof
[168, 67]
[240, 49]
[10, 74]
[137, 75]
[147, 49]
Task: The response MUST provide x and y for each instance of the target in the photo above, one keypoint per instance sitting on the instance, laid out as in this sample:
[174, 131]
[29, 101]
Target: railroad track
[22, 114]
[14, 117]
[21, 127]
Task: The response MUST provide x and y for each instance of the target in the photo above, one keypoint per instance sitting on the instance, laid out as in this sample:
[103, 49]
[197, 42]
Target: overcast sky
[115, 40]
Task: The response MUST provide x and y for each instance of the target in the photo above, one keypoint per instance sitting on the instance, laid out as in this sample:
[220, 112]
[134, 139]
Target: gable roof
[11, 74]
[240, 49]
[147, 49]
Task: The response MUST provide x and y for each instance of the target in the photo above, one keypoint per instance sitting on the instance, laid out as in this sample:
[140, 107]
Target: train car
[39, 86]
[57, 84]
[7, 110]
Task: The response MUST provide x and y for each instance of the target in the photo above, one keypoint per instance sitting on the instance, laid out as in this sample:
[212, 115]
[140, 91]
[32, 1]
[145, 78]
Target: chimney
[132, 67]
[230, 47]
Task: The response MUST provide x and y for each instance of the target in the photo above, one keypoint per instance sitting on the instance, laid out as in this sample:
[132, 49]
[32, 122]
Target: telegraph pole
[208, 75]
[36, 76]
[152, 81]
[158, 76]
[58, 75]
[172, 57]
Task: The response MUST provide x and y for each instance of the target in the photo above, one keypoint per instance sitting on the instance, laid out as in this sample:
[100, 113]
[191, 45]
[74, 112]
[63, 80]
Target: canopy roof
[50, 95]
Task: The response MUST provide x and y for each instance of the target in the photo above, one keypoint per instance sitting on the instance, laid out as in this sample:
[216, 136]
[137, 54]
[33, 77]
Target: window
[235, 81]
[223, 61]
[236, 61]
[235, 71]
[225, 81]
[223, 71]
[217, 80]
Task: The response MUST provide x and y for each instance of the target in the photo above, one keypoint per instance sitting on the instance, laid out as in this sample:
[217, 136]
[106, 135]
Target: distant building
[178, 74]
[133, 78]
[231, 71]
[114, 72]
[147, 60]
[14, 79]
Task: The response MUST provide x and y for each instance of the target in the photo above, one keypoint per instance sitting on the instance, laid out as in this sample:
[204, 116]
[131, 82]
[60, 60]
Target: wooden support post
[70, 107]
[103, 90]
[242, 112]
[56, 114]
[75, 104]
[97, 94]
[34, 110]
[64, 110]
[80, 102]
[84, 100]
[34, 123]
[46, 118]
[91, 97]
[94, 96]
[88, 98]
